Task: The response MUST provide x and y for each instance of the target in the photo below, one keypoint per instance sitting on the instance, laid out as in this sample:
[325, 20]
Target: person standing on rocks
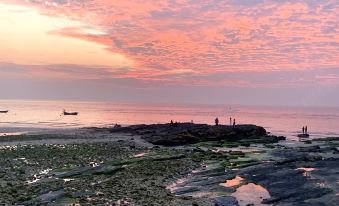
[233, 122]
[303, 130]
[230, 121]
[216, 121]
[306, 129]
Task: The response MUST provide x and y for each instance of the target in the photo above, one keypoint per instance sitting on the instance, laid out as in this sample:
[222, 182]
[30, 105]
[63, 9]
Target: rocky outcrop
[226, 201]
[186, 133]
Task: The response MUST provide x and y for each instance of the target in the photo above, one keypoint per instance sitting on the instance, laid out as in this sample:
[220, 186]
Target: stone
[226, 201]
[188, 133]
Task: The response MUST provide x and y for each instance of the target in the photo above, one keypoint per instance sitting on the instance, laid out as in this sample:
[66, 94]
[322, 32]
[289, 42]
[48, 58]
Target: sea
[27, 115]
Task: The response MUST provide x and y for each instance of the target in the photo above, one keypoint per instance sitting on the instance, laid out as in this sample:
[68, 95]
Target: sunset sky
[175, 51]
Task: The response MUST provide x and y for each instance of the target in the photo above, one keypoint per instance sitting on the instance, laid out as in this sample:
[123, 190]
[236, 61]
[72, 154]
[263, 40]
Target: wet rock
[106, 170]
[88, 170]
[326, 139]
[187, 133]
[226, 201]
[80, 194]
[47, 198]
[292, 155]
[315, 148]
[287, 184]
[73, 172]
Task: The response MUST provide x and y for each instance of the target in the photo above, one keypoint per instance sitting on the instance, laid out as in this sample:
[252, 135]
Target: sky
[173, 51]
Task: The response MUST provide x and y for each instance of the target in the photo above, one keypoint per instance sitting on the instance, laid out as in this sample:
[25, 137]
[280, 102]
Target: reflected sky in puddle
[251, 194]
[174, 186]
[68, 179]
[140, 154]
[306, 170]
[3, 134]
[37, 177]
[233, 182]
[245, 194]
[240, 149]
[321, 184]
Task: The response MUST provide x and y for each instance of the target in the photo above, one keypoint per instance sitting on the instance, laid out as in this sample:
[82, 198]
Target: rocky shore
[184, 164]
[188, 133]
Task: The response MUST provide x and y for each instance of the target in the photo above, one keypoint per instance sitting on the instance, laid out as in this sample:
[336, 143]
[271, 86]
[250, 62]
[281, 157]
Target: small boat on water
[70, 113]
[3, 111]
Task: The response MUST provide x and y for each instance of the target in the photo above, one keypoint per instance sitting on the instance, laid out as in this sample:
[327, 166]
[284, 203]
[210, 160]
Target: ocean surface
[25, 116]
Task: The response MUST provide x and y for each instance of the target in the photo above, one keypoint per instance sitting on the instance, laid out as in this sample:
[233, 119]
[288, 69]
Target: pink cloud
[201, 38]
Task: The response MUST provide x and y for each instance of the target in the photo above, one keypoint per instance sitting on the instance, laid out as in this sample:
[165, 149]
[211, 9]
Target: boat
[3, 111]
[70, 113]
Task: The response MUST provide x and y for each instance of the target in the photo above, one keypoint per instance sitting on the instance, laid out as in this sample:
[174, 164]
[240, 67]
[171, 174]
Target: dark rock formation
[226, 201]
[186, 133]
[44, 199]
[88, 170]
[291, 186]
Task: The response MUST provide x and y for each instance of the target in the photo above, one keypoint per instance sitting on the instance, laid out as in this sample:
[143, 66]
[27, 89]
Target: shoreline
[121, 166]
[14, 131]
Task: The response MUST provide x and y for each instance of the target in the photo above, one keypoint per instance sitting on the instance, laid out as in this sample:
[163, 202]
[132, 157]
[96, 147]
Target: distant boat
[70, 113]
[3, 111]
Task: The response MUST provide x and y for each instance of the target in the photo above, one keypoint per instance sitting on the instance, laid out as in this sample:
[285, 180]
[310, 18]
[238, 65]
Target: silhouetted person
[303, 130]
[117, 126]
[230, 120]
[216, 121]
[306, 130]
[171, 122]
[233, 122]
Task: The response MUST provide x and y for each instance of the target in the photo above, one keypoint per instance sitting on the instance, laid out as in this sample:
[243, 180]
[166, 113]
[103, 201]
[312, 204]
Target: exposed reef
[178, 165]
[188, 133]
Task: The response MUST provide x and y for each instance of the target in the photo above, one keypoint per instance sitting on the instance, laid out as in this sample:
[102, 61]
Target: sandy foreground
[101, 166]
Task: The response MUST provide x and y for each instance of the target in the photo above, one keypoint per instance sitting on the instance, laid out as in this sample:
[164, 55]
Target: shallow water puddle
[204, 194]
[37, 177]
[306, 170]
[240, 149]
[175, 185]
[141, 154]
[232, 182]
[68, 179]
[8, 147]
[3, 134]
[251, 194]
[321, 184]
[44, 172]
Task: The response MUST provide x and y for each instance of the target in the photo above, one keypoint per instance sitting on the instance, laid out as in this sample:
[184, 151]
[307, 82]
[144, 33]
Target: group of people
[217, 121]
[304, 129]
[174, 123]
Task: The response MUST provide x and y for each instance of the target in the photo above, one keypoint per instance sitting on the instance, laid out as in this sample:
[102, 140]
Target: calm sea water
[288, 121]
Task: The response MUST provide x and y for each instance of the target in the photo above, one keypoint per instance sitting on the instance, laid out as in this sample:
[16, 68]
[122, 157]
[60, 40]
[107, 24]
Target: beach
[165, 164]
[169, 103]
